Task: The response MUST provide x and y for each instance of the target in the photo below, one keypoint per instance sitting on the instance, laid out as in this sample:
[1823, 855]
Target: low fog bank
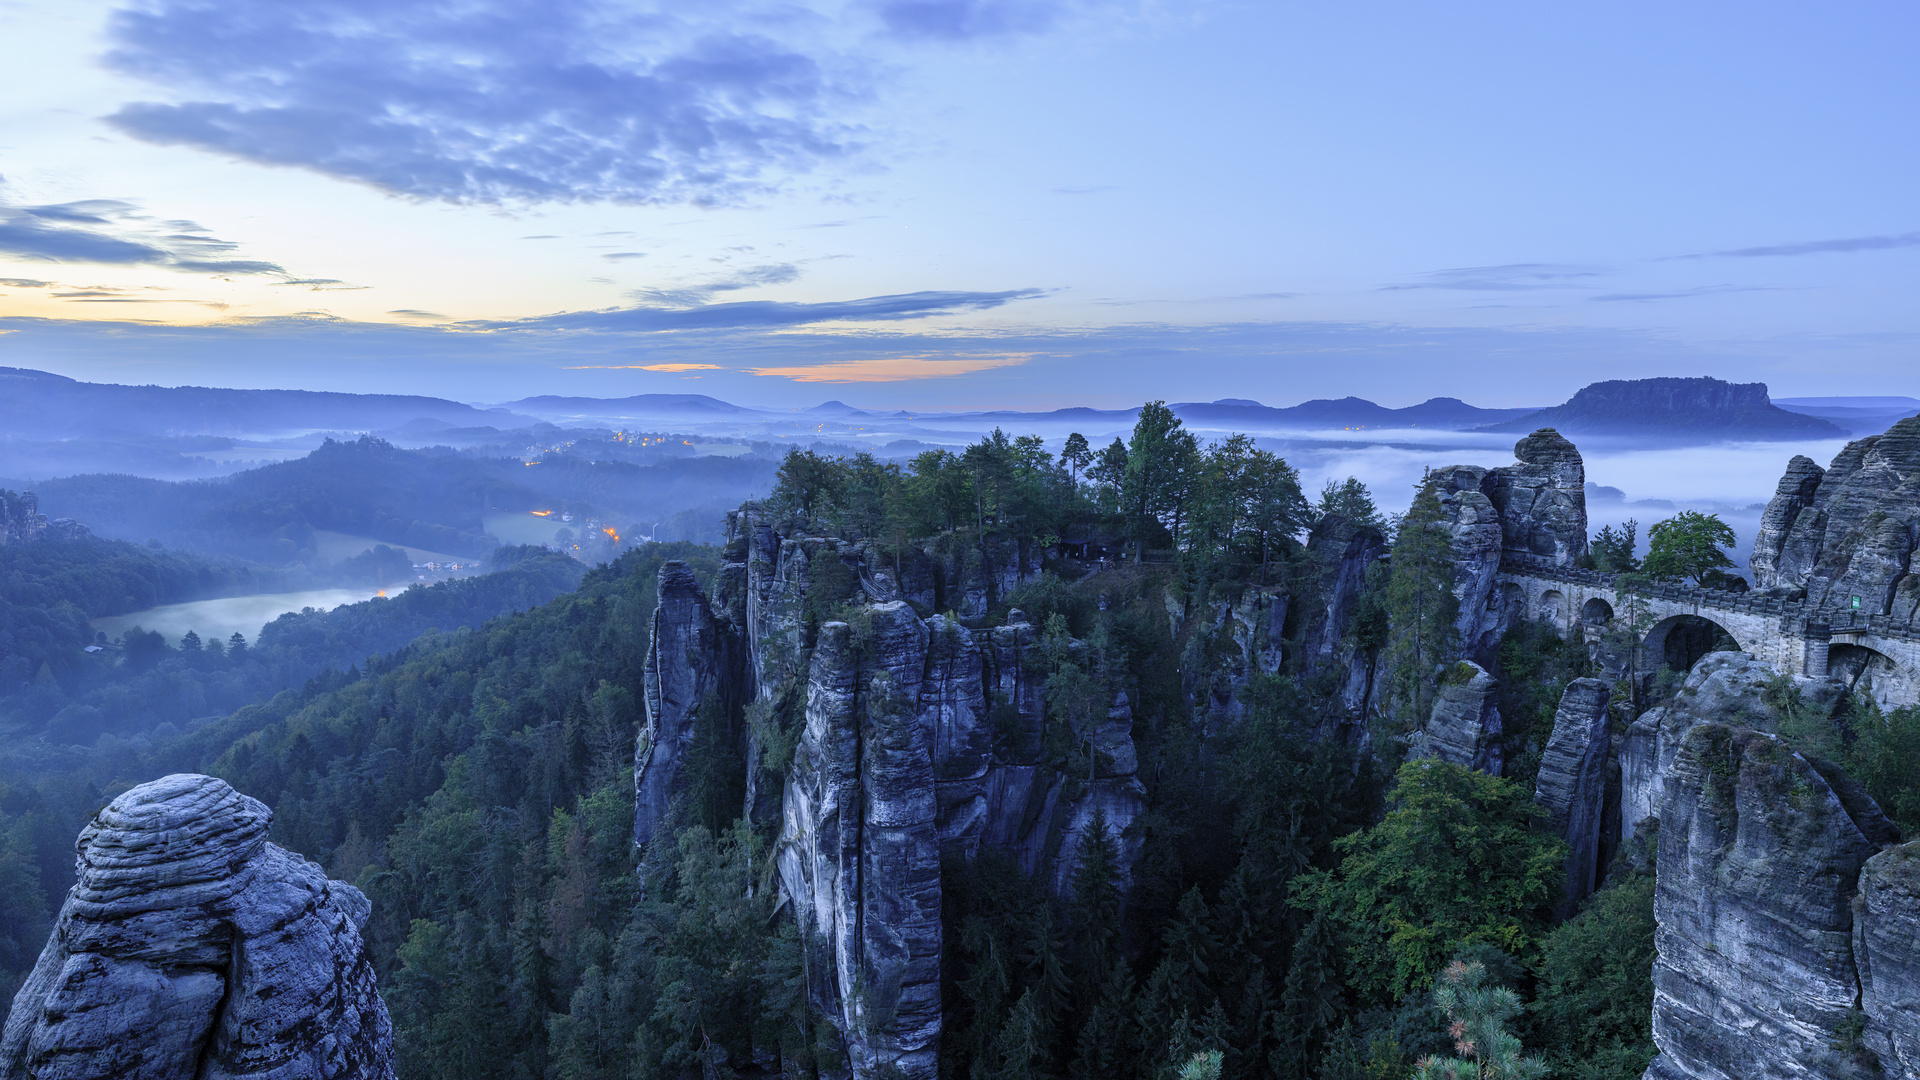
[1733, 480]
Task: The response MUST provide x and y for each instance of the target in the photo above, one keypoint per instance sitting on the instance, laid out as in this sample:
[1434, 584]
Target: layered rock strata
[1572, 785]
[1760, 852]
[1465, 726]
[192, 947]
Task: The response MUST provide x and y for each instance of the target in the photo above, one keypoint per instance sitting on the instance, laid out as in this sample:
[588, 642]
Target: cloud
[891, 368]
[670, 368]
[23, 283]
[964, 20]
[115, 232]
[768, 314]
[415, 313]
[1816, 247]
[1513, 277]
[1682, 294]
[700, 292]
[494, 101]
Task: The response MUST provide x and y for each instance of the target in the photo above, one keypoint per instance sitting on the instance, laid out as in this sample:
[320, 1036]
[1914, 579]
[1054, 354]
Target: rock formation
[1760, 851]
[1723, 688]
[1343, 551]
[21, 520]
[1572, 784]
[699, 668]
[192, 948]
[1886, 948]
[1532, 511]
[1465, 726]
[917, 738]
[1850, 530]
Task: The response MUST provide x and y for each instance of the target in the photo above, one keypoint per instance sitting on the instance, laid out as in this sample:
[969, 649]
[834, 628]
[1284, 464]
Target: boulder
[190, 947]
[1572, 784]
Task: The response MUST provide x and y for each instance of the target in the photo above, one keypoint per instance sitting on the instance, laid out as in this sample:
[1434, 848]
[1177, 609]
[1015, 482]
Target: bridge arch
[1596, 612]
[1679, 641]
[1553, 607]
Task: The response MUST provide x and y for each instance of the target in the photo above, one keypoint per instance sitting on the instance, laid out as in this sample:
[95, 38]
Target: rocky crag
[1769, 922]
[1849, 530]
[21, 520]
[880, 737]
[1572, 784]
[192, 947]
[1533, 511]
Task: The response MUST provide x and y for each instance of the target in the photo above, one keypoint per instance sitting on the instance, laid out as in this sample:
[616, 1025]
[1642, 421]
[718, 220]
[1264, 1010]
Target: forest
[1303, 906]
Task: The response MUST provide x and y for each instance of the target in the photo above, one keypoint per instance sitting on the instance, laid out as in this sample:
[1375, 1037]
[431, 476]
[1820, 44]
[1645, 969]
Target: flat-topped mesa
[192, 948]
[1849, 531]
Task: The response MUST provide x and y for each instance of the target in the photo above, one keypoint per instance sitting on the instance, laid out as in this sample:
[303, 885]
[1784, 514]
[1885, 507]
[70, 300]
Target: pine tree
[1478, 1015]
[1313, 1000]
[1421, 605]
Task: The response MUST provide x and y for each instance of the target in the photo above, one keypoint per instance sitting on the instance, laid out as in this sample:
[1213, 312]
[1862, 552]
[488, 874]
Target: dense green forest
[142, 681]
[1297, 902]
[435, 499]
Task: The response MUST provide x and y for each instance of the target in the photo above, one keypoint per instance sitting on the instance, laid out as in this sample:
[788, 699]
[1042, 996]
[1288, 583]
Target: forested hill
[43, 405]
[356, 752]
[57, 690]
[433, 499]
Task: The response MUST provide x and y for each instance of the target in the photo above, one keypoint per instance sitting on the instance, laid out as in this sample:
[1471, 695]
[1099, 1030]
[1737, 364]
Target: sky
[961, 203]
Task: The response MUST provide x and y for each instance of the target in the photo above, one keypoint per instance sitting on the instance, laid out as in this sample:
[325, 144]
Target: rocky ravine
[193, 948]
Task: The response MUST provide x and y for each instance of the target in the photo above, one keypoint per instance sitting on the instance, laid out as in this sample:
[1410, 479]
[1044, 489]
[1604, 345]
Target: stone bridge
[1676, 624]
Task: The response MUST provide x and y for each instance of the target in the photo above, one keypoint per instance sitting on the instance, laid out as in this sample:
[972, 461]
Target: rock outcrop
[1886, 948]
[1533, 511]
[917, 738]
[1465, 726]
[691, 662]
[1851, 530]
[1342, 551]
[1572, 785]
[1760, 851]
[21, 520]
[1723, 688]
[192, 948]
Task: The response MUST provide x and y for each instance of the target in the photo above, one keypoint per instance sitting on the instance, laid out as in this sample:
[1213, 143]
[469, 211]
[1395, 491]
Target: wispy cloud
[1512, 277]
[891, 368]
[24, 283]
[767, 314]
[701, 290]
[669, 368]
[1681, 294]
[1815, 247]
[116, 232]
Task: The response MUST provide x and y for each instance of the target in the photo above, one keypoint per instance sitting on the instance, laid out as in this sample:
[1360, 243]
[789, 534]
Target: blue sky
[928, 203]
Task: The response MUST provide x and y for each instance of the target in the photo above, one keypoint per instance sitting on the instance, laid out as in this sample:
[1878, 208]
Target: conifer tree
[1421, 605]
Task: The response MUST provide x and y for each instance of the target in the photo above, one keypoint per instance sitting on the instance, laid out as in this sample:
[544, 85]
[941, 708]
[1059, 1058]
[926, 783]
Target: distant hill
[1667, 409]
[696, 405]
[1348, 412]
[38, 404]
[1859, 415]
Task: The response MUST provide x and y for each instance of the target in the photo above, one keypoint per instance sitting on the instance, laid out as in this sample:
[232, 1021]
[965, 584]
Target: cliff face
[1850, 530]
[1342, 551]
[1465, 726]
[21, 520]
[1886, 949]
[192, 947]
[917, 738]
[1572, 784]
[1760, 855]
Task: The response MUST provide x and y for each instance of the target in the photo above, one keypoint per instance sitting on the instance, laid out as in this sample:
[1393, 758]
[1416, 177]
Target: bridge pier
[1819, 640]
